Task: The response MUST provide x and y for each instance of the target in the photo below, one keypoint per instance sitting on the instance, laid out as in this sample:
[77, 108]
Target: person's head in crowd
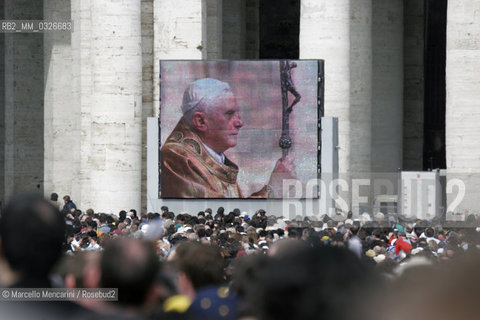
[422, 243]
[176, 240]
[164, 209]
[261, 212]
[180, 218]
[310, 283]
[330, 224]
[130, 265]
[262, 234]
[201, 277]
[193, 221]
[150, 216]
[122, 215]
[81, 270]
[170, 215]
[77, 213]
[229, 218]
[208, 232]
[433, 293]
[102, 219]
[87, 226]
[171, 229]
[245, 280]
[54, 197]
[121, 226]
[293, 233]
[31, 237]
[132, 214]
[222, 237]
[134, 227]
[362, 234]
[66, 199]
[350, 214]
[286, 247]
[280, 232]
[110, 219]
[199, 266]
[307, 233]
[409, 228]
[252, 234]
[419, 228]
[377, 234]
[429, 232]
[433, 246]
[201, 233]
[470, 220]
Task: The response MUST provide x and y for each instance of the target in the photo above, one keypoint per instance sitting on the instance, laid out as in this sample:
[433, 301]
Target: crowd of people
[240, 265]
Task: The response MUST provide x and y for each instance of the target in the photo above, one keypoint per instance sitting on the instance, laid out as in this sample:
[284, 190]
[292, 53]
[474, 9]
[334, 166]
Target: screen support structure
[159, 133]
[321, 113]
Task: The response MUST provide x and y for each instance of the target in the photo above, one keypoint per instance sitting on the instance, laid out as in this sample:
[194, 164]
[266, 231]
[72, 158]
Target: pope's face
[223, 125]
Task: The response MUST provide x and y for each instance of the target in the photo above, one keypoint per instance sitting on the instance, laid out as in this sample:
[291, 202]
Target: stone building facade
[76, 103]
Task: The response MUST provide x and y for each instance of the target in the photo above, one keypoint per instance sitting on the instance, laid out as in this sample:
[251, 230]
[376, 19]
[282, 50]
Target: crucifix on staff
[287, 86]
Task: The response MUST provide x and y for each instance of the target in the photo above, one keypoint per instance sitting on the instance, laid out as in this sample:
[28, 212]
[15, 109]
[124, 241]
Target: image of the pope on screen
[220, 138]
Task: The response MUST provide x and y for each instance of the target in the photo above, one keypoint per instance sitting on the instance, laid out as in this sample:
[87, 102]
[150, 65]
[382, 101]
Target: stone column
[23, 103]
[360, 85]
[335, 32]
[414, 88]
[214, 29]
[147, 85]
[107, 91]
[61, 119]
[234, 29]
[463, 96]
[340, 33]
[252, 33]
[387, 95]
[180, 32]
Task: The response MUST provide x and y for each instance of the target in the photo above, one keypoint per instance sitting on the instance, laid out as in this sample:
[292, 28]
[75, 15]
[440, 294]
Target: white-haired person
[192, 158]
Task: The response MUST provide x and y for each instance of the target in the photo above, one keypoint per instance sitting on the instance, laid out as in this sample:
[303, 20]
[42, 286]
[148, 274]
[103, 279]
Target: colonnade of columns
[101, 82]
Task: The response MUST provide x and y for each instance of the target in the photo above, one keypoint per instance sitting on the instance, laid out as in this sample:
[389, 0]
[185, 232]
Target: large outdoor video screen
[237, 129]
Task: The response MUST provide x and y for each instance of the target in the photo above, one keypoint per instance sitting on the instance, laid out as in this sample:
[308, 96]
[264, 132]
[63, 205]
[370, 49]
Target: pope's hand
[284, 169]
